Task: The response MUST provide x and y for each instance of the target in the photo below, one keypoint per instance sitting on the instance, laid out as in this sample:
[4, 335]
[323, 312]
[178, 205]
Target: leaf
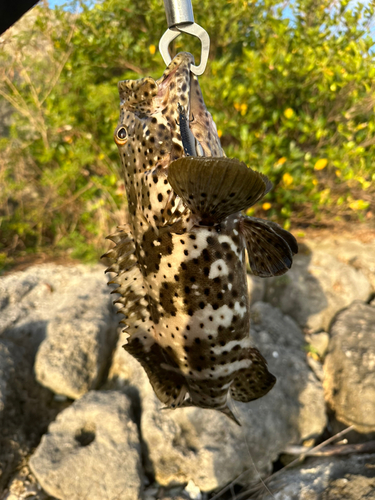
[359, 205]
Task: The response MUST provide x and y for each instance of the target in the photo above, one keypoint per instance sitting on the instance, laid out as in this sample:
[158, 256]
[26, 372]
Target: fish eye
[121, 135]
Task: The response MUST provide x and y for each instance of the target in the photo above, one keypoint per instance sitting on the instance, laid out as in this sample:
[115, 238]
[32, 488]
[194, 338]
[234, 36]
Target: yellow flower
[237, 106]
[152, 49]
[243, 108]
[281, 161]
[266, 206]
[288, 113]
[320, 164]
[219, 132]
[287, 179]
[338, 173]
[315, 182]
[359, 205]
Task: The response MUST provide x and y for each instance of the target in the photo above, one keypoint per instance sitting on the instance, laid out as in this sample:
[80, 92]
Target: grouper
[180, 261]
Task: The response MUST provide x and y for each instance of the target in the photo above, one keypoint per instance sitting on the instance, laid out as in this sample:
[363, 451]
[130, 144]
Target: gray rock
[319, 343]
[349, 367]
[316, 288]
[256, 287]
[353, 252]
[91, 451]
[6, 373]
[75, 353]
[66, 315]
[24, 485]
[203, 445]
[349, 478]
[32, 298]
[24, 408]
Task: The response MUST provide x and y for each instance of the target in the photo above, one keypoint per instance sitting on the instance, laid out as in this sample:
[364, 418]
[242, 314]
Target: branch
[330, 451]
[61, 65]
[295, 462]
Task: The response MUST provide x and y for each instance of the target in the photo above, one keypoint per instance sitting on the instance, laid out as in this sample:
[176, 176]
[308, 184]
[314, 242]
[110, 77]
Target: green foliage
[293, 98]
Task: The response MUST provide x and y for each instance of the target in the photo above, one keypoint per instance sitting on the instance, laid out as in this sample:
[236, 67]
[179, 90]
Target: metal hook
[180, 19]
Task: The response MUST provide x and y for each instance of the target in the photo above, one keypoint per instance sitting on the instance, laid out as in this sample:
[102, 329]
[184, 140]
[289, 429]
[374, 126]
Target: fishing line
[230, 485]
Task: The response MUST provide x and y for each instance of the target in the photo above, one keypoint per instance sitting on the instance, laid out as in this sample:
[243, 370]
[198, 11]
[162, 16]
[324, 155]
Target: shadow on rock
[299, 293]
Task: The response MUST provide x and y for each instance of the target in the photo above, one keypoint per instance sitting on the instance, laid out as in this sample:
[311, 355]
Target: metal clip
[180, 19]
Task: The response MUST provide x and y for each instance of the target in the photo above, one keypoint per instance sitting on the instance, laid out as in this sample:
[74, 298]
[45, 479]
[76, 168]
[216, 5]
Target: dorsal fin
[270, 248]
[214, 188]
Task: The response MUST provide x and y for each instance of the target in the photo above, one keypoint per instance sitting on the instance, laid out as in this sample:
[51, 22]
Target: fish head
[148, 134]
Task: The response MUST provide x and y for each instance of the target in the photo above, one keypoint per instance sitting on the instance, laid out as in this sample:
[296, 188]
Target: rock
[32, 298]
[316, 288]
[24, 485]
[349, 478]
[75, 353]
[319, 343]
[256, 287]
[91, 451]
[24, 408]
[66, 315]
[6, 373]
[349, 367]
[354, 252]
[193, 491]
[204, 446]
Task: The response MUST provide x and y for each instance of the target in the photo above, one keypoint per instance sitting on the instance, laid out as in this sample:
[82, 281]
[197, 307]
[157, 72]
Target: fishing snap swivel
[180, 19]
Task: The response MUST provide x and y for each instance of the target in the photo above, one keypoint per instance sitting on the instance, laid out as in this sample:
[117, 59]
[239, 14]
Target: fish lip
[186, 59]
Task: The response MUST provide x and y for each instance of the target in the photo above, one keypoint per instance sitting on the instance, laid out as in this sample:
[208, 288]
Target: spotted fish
[180, 261]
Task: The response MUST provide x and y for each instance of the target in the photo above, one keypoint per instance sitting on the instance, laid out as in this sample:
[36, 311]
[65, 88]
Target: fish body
[180, 262]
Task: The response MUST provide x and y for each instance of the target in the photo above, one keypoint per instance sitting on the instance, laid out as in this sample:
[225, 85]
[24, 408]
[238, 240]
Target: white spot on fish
[244, 343]
[226, 239]
[218, 268]
[240, 310]
[156, 243]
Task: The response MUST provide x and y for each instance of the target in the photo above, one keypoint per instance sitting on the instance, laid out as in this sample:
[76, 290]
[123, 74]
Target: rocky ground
[79, 420]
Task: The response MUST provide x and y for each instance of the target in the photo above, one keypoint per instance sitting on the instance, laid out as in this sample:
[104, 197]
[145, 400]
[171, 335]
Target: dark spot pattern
[166, 292]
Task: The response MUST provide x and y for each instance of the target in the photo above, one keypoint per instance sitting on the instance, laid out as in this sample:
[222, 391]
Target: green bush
[293, 98]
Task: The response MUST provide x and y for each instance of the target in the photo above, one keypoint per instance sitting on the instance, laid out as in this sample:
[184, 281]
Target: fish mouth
[176, 82]
[178, 89]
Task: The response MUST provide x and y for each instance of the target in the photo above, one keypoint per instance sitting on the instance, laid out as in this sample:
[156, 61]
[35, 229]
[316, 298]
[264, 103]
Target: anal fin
[214, 188]
[169, 385]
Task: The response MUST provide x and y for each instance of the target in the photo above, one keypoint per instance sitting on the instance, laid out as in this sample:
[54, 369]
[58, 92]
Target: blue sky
[52, 3]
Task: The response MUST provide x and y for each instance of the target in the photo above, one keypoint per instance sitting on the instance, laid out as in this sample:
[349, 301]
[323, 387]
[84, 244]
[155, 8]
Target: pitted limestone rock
[91, 451]
[349, 367]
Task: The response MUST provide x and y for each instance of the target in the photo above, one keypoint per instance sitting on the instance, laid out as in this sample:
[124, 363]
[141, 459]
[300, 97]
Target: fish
[179, 262]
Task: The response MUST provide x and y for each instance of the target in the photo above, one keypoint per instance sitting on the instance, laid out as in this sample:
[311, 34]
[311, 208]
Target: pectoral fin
[214, 188]
[270, 248]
